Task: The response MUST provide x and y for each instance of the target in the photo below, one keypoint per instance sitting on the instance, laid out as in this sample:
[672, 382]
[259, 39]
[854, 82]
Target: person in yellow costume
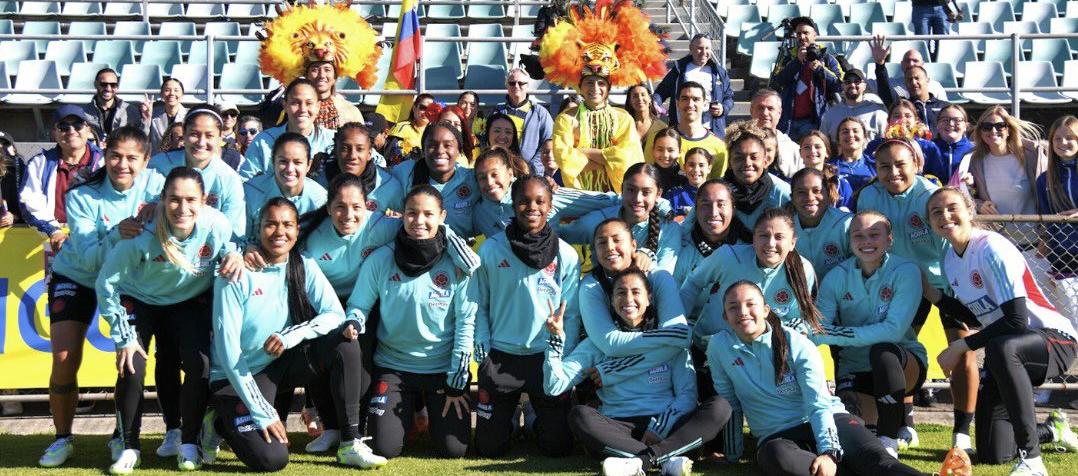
[593, 50]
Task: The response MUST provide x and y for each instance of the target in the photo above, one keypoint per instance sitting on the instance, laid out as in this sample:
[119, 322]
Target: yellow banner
[25, 350]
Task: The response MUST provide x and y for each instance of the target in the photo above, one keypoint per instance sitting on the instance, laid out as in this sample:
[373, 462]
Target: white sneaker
[325, 442]
[677, 466]
[208, 439]
[116, 446]
[891, 445]
[1063, 438]
[58, 452]
[1029, 467]
[188, 458]
[357, 453]
[126, 463]
[962, 440]
[171, 445]
[907, 438]
[623, 467]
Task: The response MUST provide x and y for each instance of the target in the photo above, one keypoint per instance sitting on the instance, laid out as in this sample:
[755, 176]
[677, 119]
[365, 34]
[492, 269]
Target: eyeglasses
[230, 113]
[108, 85]
[249, 132]
[988, 126]
[422, 107]
[519, 84]
[70, 126]
[951, 120]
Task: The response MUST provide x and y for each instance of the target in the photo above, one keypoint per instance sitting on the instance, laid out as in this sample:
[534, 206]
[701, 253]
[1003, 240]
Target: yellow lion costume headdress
[612, 40]
[310, 33]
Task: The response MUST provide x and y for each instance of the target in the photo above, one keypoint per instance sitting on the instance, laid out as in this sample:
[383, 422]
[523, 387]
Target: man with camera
[806, 75]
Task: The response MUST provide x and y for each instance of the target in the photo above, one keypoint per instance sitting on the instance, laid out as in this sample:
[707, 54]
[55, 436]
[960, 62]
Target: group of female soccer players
[366, 294]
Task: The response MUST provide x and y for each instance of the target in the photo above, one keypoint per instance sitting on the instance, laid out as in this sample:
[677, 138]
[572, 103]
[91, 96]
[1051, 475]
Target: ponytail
[654, 218]
[795, 271]
[780, 348]
[652, 240]
[162, 229]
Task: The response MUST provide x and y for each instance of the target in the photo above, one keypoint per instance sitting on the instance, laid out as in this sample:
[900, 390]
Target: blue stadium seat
[486, 76]
[825, 15]
[159, 11]
[132, 28]
[12, 52]
[995, 13]
[241, 76]
[1061, 5]
[35, 74]
[41, 28]
[723, 8]
[491, 54]
[39, 9]
[860, 56]
[976, 28]
[738, 14]
[486, 11]
[806, 5]
[439, 54]
[1016, 5]
[163, 53]
[82, 77]
[87, 28]
[5, 81]
[847, 4]
[1070, 78]
[894, 72]
[1040, 13]
[368, 10]
[170, 28]
[985, 74]
[517, 49]
[865, 14]
[764, 6]
[246, 11]
[1038, 74]
[7, 27]
[139, 76]
[781, 11]
[9, 8]
[1055, 51]
[1023, 28]
[944, 73]
[957, 53]
[899, 48]
[890, 29]
[247, 52]
[81, 9]
[198, 54]
[1072, 9]
[1065, 25]
[1000, 52]
[394, 11]
[446, 12]
[752, 33]
[389, 29]
[115, 53]
[193, 77]
[224, 28]
[116, 10]
[763, 59]
[65, 53]
[526, 11]
[205, 10]
[847, 29]
[442, 77]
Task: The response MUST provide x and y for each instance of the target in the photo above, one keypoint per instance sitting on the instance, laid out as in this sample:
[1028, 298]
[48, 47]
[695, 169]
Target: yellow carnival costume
[612, 41]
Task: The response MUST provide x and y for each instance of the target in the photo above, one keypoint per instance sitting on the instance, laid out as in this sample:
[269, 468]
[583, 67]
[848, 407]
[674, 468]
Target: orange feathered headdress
[612, 40]
[311, 33]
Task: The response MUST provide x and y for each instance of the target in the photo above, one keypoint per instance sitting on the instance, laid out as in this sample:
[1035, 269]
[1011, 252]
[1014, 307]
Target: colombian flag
[406, 52]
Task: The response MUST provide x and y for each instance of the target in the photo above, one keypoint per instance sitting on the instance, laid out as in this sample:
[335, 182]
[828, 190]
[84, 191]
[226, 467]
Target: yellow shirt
[409, 135]
[610, 129]
[709, 142]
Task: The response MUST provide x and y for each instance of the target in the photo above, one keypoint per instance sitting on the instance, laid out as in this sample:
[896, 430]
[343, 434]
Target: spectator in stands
[407, 134]
[905, 125]
[1057, 193]
[700, 67]
[469, 102]
[806, 75]
[639, 104]
[333, 109]
[11, 170]
[52, 172]
[106, 111]
[911, 58]
[456, 116]
[952, 142]
[929, 18]
[691, 102]
[502, 132]
[250, 126]
[766, 110]
[173, 138]
[163, 114]
[533, 121]
[855, 104]
[230, 113]
[854, 164]
[927, 103]
[379, 129]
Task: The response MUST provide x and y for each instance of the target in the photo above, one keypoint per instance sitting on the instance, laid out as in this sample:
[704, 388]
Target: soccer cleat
[171, 445]
[58, 452]
[188, 458]
[208, 439]
[325, 442]
[891, 445]
[1063, 438]
[623, 467]
[1029, 467]
[907, 438]
[677, 466]
[126, 463]
[116, 446]
[358, 454]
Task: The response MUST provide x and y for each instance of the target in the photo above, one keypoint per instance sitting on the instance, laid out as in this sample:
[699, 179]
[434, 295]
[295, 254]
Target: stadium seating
[64, 54]
[193, 77]
[81, 9]
[158, 11]
[87, 28]
[985, 74]
[132, 28]
[995, 13]
[1070, 78]
[35, 74]
[241, 76]
[1038, 74]
[41, 28]
[1000, 52]
[199, 51]
[134, 77]
[15, 51]
[1053, 50]
[945, 74]
[957, 53]
[738, 14]
[163, 53]
[179, 29]
[82, 77]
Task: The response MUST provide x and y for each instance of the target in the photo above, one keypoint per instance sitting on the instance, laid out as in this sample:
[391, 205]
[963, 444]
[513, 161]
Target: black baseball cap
[796, 22]
[376, 123]
[854, 73]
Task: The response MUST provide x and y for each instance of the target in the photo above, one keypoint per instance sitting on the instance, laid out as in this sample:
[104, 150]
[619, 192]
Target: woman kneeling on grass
[646, 421]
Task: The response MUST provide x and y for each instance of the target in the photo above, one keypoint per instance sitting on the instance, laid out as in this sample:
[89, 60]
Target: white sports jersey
[991, 272]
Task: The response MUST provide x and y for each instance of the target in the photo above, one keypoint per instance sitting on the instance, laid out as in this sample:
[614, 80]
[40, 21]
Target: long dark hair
[780, 347]
[289, 137]
[654, 217]
[828, 177]
[651, 315]
[421, 172]
[299, 305]
[515, 145]
[629, 102]
[411, 113]
[122, 134]
[795, 269]
[597, 272]
[314, 219]
[424, 189]
[162, 229]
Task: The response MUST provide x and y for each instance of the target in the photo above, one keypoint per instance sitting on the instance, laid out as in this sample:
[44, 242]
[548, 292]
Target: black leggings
[327, 355]
[1015, 364]
[621, 437]
[886, 383]
[502, 378]
[318, 391]
[392, 408]
[790, 452]
[184, 328]
[166, 376]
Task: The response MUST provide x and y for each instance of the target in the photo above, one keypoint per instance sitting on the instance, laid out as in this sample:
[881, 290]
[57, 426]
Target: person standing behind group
[713, 226]
[691, 101]
[822, 228]
[699, 67]
[1057, 193]
[291, 162]
[533, 121]
[106, 111]
[202, 151]
[438, 167]
[765, 111]
[527, 269]
[853, 163]
[855, 104]
[806, 82]
[248, 129]
[301, 108]
[169, 110]
[952, 142]
[333, 109]
[353, 153]
[408, 135]
[156, 286]
[103, 210]
[638, 103]
[51, 173]
[11, 176]
[426, 332]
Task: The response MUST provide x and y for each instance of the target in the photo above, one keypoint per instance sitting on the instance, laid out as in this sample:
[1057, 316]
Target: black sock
[962, 421]
[908, 421]
[63, 435]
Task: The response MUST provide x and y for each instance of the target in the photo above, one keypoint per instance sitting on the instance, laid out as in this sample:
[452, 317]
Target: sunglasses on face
[988, 126]
[519, 84]
[231, 113]
[422, 107]
[248, 132]
[70, 126]
[108, 85]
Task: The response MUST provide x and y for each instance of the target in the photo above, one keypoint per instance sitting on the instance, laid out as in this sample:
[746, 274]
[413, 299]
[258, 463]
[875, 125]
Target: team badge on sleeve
[886, 294]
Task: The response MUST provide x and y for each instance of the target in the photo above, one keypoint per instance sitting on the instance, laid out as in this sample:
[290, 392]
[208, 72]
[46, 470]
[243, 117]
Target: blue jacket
[38, 189]
[785, 76]
[826, 244]
[340, 257]
[581, 231]
[858, 173]
[721, 91]
[224, 189]
[913, 236]
[538, 127]
[459, 195]
[933, 157]
[950, 156]
[1064, 236]
[264, 187]
[491, 218]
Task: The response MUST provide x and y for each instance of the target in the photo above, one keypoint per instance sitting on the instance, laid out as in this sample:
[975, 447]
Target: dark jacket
[721, 91]
[784, 80]
[927, 111]
[10, 184]
[127, 114]
[950, 157]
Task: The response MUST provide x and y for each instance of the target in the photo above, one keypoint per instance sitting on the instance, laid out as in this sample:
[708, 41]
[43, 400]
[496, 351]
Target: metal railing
[703, 18]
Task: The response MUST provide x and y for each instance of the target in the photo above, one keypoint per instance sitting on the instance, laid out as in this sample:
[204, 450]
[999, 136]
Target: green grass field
[18, 455]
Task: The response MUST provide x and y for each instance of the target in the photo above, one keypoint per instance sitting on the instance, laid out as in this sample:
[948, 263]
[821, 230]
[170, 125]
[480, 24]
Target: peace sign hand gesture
[146, 108]
[554, 324]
